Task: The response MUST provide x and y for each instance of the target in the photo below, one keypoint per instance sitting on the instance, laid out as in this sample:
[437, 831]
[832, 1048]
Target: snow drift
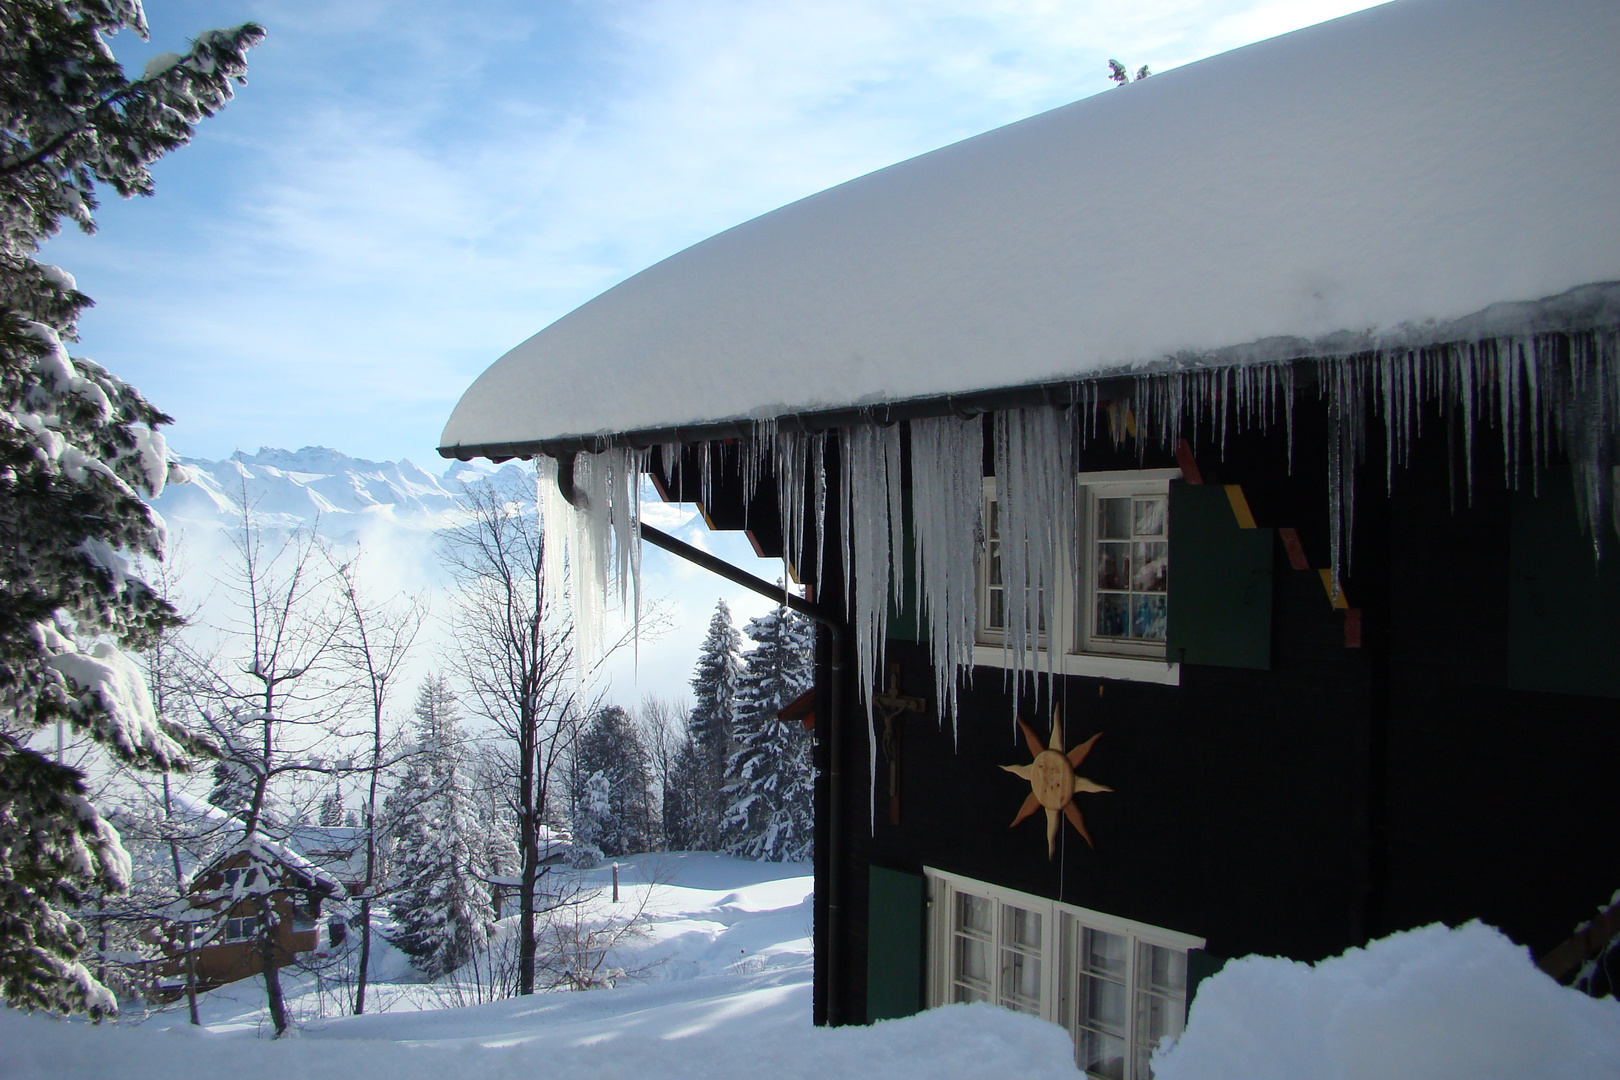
[1432, 1003]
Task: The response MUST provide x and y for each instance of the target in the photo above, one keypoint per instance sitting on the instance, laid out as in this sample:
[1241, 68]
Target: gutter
[834, 709]
[1061, 394]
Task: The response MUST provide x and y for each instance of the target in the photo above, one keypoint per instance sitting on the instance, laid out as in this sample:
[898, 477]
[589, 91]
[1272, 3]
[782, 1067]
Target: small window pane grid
[996, 954]
[1118, 599]
[992, 590]
[1130, 562]
[241, 929]
[1118, 993]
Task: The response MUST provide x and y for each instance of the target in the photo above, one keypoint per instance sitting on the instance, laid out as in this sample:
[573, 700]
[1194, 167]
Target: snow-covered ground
[723, 993]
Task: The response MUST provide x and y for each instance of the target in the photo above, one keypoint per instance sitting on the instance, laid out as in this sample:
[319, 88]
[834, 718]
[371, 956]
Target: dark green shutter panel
[1563, 606]
[895, 911]
[1220, 582]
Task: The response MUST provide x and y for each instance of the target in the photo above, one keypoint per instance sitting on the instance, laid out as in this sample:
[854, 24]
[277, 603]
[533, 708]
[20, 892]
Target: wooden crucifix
[890, 705]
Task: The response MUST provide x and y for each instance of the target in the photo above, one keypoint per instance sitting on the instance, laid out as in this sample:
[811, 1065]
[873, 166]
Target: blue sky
[405, 191]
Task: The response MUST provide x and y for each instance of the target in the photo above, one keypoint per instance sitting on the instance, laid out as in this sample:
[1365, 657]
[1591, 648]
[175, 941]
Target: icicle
[947, 500]
[1035, 492]
[593, 543]
[705, 475]
[591, 558]
[669, 456]
[818, 471]
[556, 526]
[869, 512]
[790, 462]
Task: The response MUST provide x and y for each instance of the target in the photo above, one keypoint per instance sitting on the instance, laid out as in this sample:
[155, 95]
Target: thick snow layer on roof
[1411, 163]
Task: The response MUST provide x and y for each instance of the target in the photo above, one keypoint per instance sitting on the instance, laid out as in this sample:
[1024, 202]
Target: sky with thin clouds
[405, 191]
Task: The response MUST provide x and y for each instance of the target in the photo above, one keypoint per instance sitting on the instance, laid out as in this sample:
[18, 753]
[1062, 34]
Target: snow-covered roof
[1398, 168]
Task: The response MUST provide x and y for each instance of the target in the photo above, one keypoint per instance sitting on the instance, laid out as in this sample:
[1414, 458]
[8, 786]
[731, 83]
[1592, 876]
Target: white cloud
[412, 192]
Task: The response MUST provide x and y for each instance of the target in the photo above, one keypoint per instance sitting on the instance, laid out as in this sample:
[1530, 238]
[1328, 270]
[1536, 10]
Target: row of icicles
[1542, 393]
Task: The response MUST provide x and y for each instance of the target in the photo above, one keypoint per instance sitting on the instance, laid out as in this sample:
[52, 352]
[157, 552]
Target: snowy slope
[725, 995]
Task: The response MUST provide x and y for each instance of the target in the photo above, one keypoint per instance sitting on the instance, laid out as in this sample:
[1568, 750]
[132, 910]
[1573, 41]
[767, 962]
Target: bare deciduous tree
[514, 654]
[374, 644]
[271, 702]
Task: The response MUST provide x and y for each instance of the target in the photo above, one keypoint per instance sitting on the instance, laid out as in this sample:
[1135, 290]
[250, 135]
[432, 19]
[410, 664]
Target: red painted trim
[1296, 550]
[1189, 464]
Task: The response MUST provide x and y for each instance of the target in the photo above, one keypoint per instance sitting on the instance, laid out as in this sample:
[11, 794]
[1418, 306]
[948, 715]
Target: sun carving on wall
[1053, 782]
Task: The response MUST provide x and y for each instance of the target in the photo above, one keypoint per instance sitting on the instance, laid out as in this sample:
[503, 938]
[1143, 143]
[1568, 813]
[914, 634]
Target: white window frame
[234, 928]
[1073, 604]
[1062, 925]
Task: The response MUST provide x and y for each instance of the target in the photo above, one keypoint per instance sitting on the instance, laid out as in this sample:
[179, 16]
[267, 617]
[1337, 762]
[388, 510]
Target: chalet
[230, 894]
[1206, 491]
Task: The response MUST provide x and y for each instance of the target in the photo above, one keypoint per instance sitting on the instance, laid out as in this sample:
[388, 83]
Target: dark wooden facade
[1446, 756]
[296, 899]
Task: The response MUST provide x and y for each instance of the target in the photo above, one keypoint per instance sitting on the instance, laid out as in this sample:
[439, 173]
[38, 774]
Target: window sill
[1090, 665]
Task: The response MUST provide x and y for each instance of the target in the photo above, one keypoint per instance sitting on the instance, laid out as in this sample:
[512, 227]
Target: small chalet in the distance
[297, 892]
[1207, 492]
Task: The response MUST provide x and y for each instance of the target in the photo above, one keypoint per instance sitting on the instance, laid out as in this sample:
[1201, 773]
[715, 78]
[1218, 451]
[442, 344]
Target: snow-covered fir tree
[611, 782]
[79, 453]
[700, 767]
[441, 901]
[331, 811]
[234, 781]
[770, 777]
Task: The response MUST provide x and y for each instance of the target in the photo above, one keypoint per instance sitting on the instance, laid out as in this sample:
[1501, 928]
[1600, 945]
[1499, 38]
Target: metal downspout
[834, 711]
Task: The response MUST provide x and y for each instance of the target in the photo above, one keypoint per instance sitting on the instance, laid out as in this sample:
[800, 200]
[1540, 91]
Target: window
[1117, 986]
[1112, 611]
[997, 949]
[1125, 570]
[1127, 995]
[241, 929]
[234, 874]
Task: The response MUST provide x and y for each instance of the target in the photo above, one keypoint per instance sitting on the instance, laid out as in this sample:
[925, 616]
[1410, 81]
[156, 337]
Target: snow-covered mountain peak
[323, 488]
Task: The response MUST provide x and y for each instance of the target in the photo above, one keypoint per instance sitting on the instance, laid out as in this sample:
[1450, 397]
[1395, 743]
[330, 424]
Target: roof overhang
[1388, 177]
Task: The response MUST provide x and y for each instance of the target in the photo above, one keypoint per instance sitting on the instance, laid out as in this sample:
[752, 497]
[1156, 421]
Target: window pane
[973, 961]
[1113, 519]
[1157, 1018]
[1163, 971]
[1113, 566]
[1150, 515]
[1021, 981]
[997, 619]
[1113, 615]
[995, 564]
[1020, 928]
[1104, 954]
[1148, 620]
[1152, 566]
[968, 994]
[1102, 1005]
[1102, 1055]
[973, 914]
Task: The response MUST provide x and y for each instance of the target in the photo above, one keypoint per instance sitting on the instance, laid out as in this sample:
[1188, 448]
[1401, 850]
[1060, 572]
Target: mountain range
[342, 497]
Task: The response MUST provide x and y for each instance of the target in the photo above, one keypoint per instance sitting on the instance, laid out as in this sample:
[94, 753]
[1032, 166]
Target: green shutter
[1220, 582]
[1563, 605]
[895, 910]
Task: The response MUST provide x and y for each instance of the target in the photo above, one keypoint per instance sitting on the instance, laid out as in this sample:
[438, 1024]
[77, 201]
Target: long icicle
[947, 504]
